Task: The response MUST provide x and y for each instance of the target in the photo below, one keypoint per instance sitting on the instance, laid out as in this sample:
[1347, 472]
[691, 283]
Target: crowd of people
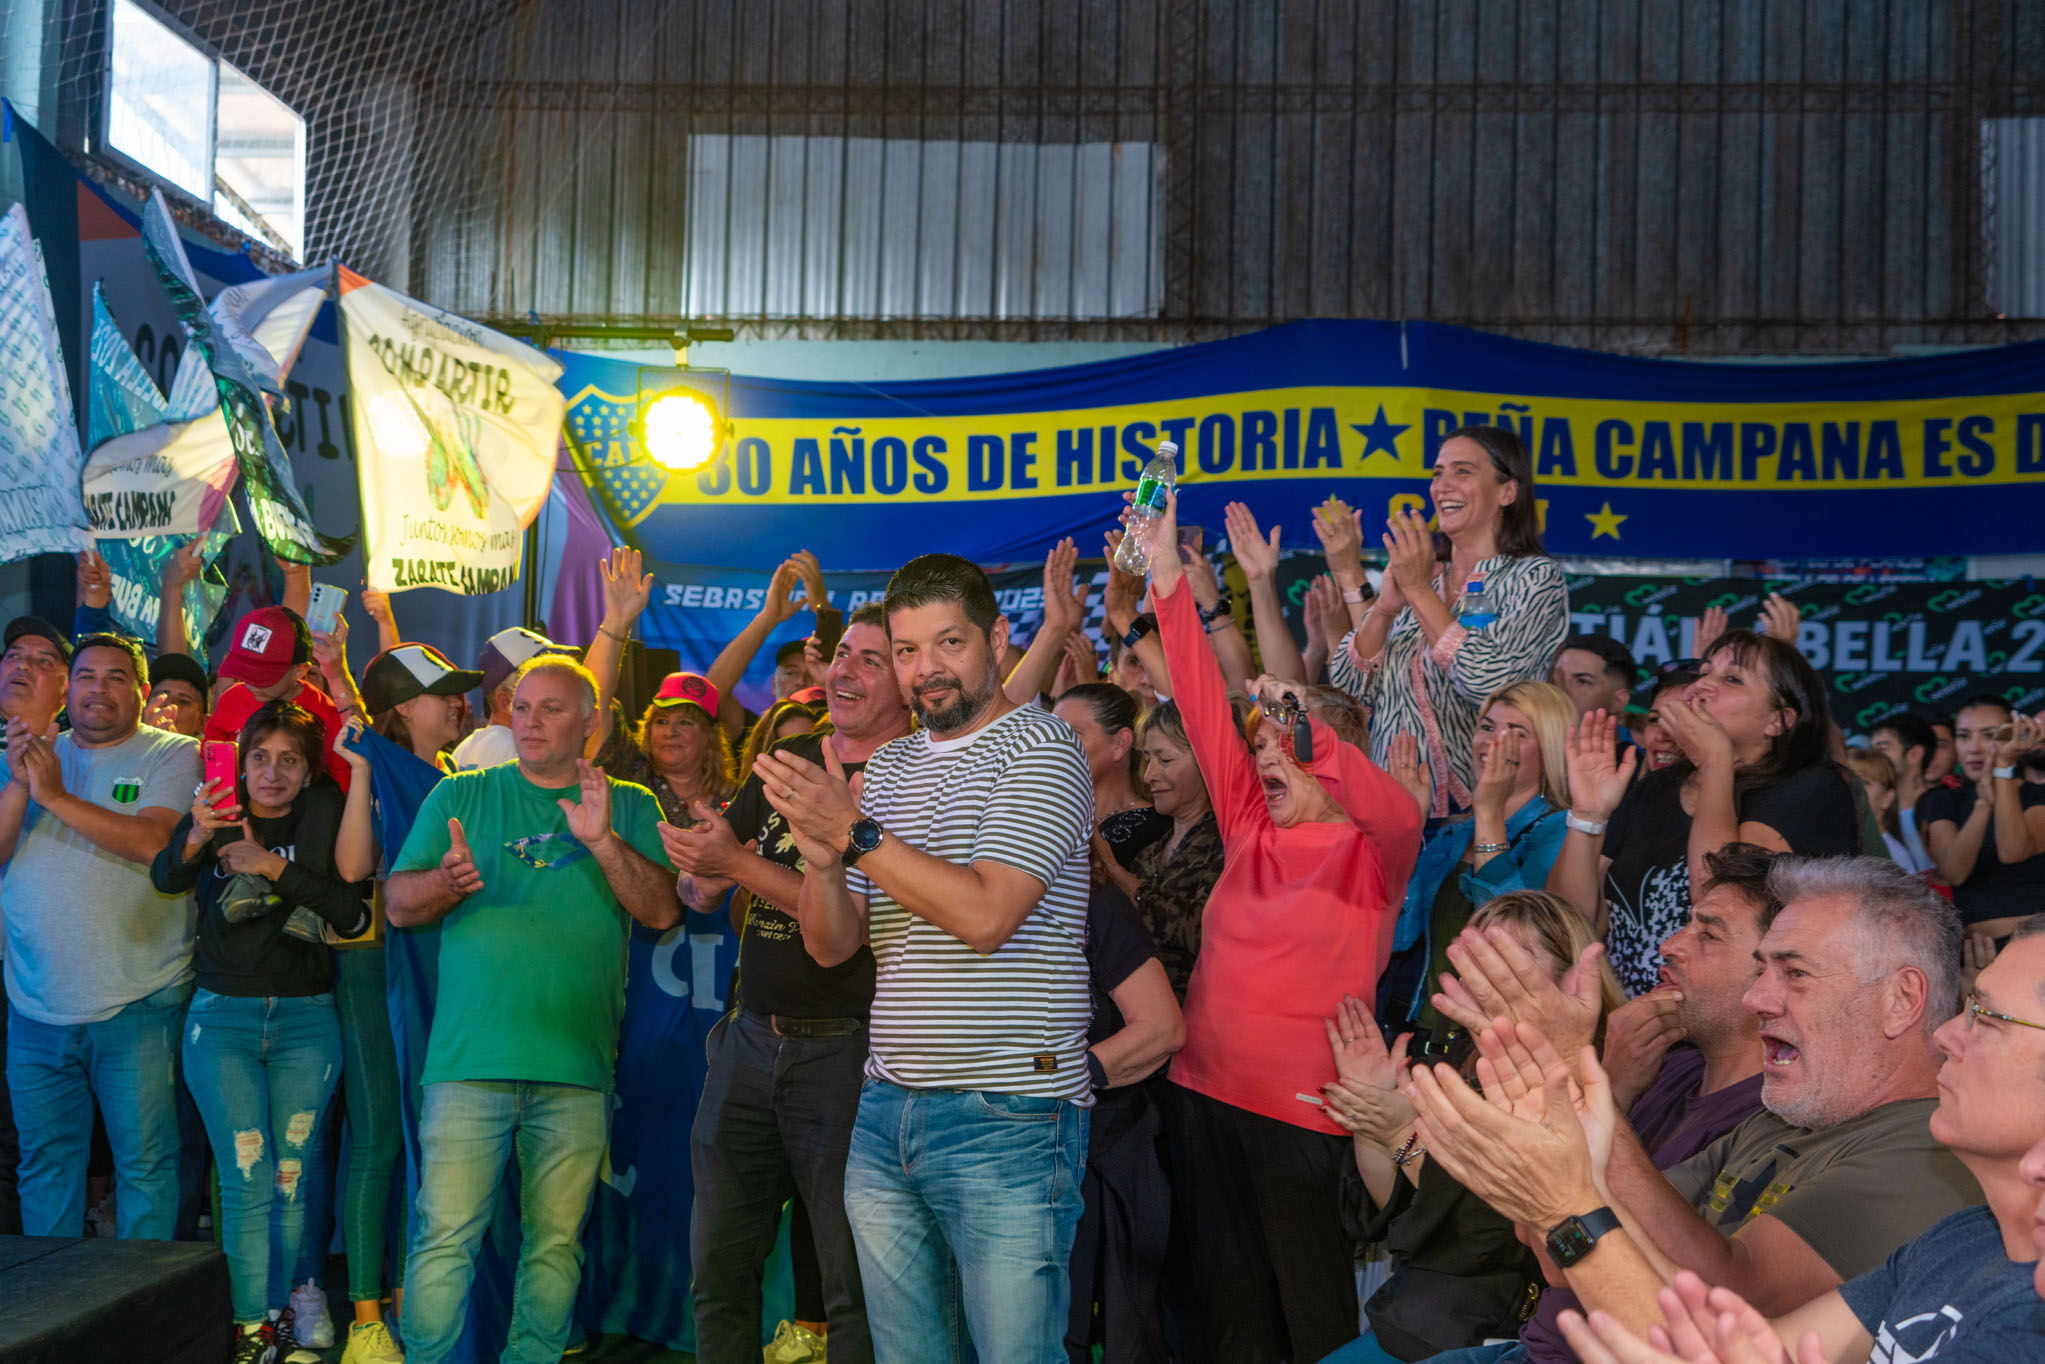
[1447, 989]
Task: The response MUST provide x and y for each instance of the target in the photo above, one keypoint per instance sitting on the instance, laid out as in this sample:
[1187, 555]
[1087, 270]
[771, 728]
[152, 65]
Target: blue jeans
[963, 1204]
[125, 1063]
[261, 1072]
[467, 1130]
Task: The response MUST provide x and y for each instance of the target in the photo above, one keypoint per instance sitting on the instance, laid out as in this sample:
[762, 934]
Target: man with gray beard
[1857, 972]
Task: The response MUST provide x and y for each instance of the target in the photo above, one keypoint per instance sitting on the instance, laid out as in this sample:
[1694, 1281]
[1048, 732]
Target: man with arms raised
[787, 1062]
[99, 966]
[1967, 1289]
[1858, 972]
[531, 868]
[967, 874]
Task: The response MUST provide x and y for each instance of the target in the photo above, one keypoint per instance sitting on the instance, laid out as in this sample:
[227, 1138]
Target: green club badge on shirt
[127, 790]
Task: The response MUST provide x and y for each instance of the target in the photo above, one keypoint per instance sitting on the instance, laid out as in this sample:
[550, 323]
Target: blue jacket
[1534, 834]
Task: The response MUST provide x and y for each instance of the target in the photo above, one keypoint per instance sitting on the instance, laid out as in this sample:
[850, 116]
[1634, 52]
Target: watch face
[1569, 1243]
[866, 835]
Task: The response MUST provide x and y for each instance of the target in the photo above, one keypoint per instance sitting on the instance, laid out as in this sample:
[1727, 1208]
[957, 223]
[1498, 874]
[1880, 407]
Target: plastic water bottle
[1473, 611]
[1159, 477]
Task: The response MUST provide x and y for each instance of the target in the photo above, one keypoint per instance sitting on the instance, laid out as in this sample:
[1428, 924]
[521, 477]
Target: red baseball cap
[690, 689]
[268, 643]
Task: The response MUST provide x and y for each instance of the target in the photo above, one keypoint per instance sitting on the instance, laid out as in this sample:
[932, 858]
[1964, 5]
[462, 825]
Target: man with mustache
[963, 864]
[787, 1062]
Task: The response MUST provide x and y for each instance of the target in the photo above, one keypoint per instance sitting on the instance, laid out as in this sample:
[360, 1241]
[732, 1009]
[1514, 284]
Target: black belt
[785, 1026]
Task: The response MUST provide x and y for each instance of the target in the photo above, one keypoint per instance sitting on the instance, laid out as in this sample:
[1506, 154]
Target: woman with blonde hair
[1459, 1273]
[1507, 842]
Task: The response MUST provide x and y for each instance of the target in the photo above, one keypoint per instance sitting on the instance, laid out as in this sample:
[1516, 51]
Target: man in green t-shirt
[530, 869]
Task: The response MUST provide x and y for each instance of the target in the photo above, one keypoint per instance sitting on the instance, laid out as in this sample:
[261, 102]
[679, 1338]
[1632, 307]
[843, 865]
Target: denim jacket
[1533, 836]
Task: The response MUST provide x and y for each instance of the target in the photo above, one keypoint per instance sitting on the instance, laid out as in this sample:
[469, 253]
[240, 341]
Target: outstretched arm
[732, 663]
[625, 596]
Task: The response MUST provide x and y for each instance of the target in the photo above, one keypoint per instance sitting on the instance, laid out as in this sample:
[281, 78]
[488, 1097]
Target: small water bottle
[1473, 611]
[1159, 477]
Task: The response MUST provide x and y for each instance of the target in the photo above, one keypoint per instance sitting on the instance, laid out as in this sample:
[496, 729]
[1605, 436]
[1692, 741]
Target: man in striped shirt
[962, 862]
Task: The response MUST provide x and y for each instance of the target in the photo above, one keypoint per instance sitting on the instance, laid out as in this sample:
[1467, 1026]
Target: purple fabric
[578, 601]
[1674, 1123]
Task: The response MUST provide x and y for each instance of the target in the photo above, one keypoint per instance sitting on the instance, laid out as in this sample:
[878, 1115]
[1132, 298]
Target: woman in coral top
[1318, 846]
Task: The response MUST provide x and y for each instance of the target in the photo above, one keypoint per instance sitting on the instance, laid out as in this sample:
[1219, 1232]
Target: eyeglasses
[1972, 1010]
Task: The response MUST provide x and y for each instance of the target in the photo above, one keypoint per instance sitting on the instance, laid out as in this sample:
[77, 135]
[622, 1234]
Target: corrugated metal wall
[1702, 176]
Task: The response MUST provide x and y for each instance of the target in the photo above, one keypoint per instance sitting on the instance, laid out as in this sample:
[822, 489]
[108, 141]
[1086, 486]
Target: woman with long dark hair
[1456, 616]
[1755, 735]
[1104, 717]
[262, 1048]
[1988, 836]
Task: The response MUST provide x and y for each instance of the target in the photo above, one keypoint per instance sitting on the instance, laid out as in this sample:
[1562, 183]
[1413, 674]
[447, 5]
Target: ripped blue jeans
[261, 1072]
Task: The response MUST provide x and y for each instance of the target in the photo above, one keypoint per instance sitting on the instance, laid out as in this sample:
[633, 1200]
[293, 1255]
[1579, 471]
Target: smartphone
[324, 608]
[221, 764]
[1192, 536]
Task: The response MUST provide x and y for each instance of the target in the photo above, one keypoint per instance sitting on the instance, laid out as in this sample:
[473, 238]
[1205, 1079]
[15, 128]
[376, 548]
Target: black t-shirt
[1129, 832]
[1117, 945]
[776, 973]
[256, 957]
[1647, 889]
[1994, 889]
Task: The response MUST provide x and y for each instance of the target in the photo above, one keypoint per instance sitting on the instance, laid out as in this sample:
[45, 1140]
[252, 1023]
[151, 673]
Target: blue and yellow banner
[1633, 457]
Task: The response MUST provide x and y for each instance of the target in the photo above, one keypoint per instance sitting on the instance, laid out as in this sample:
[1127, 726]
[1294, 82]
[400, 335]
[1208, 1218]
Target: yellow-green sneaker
[795, 1344]
[369, 1342]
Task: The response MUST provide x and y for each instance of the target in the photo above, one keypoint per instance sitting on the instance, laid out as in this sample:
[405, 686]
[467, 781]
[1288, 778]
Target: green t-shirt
[532, 967]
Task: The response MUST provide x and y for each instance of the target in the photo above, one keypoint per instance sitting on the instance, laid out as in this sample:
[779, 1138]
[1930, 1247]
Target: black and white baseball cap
[505, 652]
[397, 675]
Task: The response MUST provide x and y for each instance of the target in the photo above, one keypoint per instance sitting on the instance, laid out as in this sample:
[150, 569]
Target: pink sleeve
[1444, 650]
[1378, 804]
[1225, 764]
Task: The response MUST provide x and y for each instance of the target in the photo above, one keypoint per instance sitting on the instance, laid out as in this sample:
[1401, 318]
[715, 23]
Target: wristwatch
[1574, 1237]
[1140, 627]
[866, 836]
[1223, 605]
[2006, 773]
[1583, 826]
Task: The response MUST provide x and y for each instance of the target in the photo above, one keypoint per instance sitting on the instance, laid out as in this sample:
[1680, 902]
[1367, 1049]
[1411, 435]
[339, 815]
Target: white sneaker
[794, 1344]
[370, 1342]
[309, 1316]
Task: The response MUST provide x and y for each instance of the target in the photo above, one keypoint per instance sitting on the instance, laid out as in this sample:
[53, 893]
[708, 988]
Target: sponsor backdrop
[1880, 646]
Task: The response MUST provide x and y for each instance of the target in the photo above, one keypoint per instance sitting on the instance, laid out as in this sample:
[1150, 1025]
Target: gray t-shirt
[87, 934]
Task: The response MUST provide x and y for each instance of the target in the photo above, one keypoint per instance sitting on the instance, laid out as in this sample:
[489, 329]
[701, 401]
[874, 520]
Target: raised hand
[1123, 600]
[1638, 1034]
[815, 595]
[1496, 977]
[2023, 737]
[1064, 597]
[1329, 606]
[1697, 732]
[780, 604]
[1339, 528]
[1079, 665]
[589, 819]
[95, 579]
[458, 864]
[1710, 626]
[1257, 557]
[377, 603]
[815, 800]
[1158, 536]
[1361, 1056]
[183, 566]
[1501, 773]
[626, 591]
[1598, 774]
[706, 848]
[1780, 618]
[1410, 772]
[35, 761]
[330, 647]
[1409, 549]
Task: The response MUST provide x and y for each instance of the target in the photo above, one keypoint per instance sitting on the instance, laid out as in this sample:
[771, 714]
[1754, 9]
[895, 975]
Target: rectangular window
[2012, 200]
[178, 111]
[829, 227]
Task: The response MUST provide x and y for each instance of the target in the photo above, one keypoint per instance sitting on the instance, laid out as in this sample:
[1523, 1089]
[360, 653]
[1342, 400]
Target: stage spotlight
[679, 430]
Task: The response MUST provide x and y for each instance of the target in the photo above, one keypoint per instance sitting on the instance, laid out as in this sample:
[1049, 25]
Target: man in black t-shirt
[787, 1061]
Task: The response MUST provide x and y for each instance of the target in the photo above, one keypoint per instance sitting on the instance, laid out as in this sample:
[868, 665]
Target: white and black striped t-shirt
[944, 1016]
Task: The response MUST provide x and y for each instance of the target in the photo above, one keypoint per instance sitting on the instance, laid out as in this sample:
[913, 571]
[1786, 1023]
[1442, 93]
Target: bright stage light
[679, 431]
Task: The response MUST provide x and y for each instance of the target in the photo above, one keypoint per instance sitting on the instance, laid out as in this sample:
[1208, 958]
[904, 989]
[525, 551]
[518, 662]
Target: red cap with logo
[268, 643]
[691, 689]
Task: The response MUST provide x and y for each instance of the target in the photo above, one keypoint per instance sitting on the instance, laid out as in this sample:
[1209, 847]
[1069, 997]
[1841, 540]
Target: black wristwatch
[1141, 626]
[1224, 605]
[1574, 1237]
[865, 838]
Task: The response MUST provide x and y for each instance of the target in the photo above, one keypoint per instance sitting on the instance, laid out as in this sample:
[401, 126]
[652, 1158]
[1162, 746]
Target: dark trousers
[1259, 1207]
[1119, 1251]
[776, 1119]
